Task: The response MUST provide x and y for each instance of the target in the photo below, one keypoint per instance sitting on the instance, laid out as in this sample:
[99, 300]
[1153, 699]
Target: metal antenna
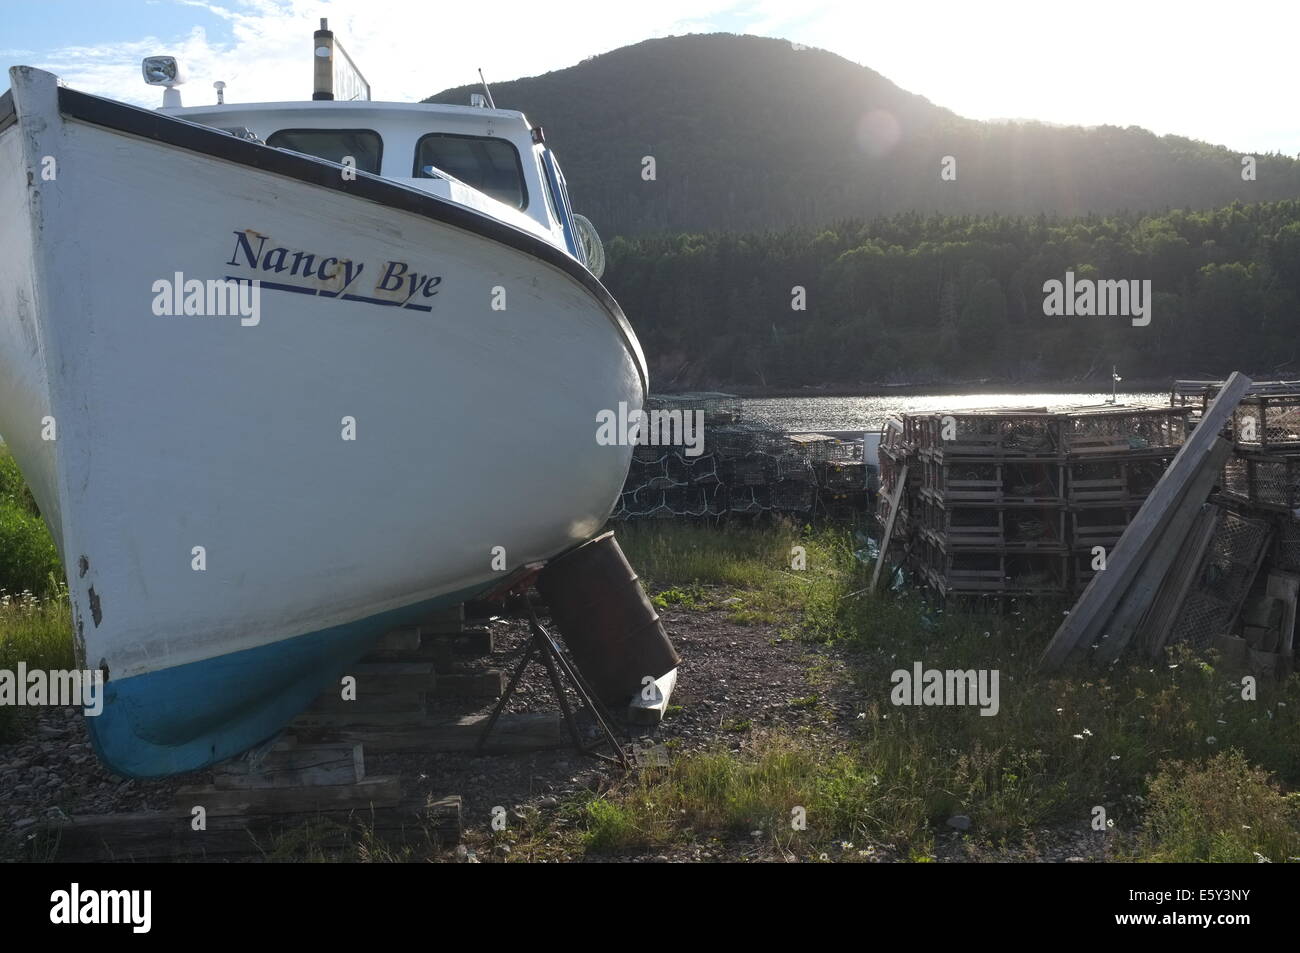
[487, 92]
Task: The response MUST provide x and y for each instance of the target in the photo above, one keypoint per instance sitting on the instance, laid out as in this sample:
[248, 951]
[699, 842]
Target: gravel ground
[51, 772]
[735, 680]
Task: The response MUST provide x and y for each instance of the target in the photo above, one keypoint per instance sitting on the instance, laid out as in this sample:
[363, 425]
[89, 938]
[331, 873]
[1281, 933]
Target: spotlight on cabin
[164, 71]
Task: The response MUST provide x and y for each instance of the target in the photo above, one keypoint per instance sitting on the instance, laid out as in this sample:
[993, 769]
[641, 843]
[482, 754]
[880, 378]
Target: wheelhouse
[488, 159]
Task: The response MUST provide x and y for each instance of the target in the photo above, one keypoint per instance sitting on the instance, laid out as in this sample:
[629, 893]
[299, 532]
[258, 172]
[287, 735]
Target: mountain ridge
[751, 132]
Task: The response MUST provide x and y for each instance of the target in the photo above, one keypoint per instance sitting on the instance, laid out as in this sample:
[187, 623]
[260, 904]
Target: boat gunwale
[216, 143]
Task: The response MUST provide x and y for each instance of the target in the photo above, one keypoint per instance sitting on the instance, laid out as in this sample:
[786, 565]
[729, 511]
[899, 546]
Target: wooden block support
[371, 702]
[162, 835]
[445, 620]
[295, 766]
[445, 651]
[441, 648]
[404, 639]
[526, 731]
[364, 795]
[321, 718]
[383, 677]
[486, 684]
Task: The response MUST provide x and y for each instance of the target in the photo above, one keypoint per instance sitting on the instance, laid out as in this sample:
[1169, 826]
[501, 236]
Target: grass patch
[1059, 745]
[28, 558]
[35, 618]
[746, 569]
[720, 793]
[1220, 811]
[13, 488]
[35, 631]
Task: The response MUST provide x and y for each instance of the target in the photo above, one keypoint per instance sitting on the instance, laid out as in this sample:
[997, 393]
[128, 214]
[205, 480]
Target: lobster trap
[1268, 481]
[1223, 579]
[1120, 430]
[1267, 421]
[974, 435]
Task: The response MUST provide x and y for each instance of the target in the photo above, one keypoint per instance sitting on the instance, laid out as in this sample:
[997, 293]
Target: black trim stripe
[8, 115]
[221, 145]
[321, 292]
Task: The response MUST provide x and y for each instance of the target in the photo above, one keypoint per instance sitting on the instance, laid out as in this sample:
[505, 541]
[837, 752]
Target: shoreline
[875, 389]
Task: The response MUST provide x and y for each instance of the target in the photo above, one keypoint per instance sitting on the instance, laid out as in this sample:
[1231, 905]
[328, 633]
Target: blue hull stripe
[189, 716]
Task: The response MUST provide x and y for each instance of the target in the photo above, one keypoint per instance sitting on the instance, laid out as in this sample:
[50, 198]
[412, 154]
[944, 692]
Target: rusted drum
[611, 628]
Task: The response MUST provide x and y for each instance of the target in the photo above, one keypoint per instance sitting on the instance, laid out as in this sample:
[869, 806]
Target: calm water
[867, 413]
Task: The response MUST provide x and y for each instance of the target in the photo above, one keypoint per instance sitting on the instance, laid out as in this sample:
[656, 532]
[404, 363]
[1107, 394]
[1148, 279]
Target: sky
[1220, 72]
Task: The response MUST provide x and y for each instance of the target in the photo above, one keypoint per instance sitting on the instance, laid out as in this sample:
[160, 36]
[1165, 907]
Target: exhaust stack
[334, 75]
[323, 62]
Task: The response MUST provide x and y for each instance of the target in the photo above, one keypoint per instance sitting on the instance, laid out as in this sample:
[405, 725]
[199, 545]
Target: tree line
[945, 299]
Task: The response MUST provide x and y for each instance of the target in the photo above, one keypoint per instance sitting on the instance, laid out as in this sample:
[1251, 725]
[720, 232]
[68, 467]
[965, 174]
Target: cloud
[407, 49]
[1116, 62]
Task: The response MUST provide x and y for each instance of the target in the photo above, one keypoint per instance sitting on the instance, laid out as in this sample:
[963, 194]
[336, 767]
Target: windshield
[363, 145]
[485, 163]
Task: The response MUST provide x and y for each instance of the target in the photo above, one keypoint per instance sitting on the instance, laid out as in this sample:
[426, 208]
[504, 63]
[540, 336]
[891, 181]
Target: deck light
[164, 71]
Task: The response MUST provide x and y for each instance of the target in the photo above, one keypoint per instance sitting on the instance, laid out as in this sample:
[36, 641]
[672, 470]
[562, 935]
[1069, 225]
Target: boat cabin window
[364, 145]
[486, 163]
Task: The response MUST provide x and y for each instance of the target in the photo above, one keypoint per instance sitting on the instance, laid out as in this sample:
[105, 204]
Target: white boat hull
[229, 550]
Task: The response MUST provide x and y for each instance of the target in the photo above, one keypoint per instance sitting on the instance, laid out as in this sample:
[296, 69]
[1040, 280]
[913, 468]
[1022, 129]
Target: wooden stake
[889, 526]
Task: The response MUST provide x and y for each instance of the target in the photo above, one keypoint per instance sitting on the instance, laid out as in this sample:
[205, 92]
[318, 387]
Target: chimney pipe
[323, 71]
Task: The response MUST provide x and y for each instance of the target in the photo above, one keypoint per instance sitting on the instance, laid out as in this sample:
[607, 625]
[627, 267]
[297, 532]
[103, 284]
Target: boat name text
[398, 283]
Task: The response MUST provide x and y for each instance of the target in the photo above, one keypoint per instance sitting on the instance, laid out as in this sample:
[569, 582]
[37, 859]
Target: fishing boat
[283, 376]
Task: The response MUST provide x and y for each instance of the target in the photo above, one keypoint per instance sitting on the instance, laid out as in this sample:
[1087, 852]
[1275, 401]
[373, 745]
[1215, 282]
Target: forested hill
[751, 133]
[939, 300]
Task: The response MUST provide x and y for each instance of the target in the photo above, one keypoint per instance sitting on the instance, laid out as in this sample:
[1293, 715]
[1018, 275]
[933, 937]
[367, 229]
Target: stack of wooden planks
[410, 694]
[1154, 585]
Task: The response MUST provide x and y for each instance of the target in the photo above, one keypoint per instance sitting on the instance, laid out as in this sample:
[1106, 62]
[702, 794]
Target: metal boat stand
[543, 646]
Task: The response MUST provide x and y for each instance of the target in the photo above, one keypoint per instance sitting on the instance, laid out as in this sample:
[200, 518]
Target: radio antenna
[486, 92]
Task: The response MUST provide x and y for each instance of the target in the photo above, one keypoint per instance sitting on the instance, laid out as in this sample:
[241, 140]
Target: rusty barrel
[608, 623]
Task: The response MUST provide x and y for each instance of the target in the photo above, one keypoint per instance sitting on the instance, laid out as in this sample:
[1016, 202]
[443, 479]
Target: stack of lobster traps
[1254, 563]
[1262, 477]
[742, 469]
[1019, 501]
[1211, 562]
